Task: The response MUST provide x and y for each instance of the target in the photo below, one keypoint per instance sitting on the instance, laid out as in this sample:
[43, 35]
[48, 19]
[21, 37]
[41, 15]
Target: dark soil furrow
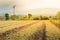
[7, 33]
[39, 34]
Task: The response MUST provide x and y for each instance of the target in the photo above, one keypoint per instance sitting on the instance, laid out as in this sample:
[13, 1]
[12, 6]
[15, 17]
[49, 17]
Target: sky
[44, 7]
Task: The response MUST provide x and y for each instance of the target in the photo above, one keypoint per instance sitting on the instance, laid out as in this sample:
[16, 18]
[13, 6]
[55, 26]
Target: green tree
[29, 15]
[41, 17]
[6, 16]
[51, 17]
[58, 15]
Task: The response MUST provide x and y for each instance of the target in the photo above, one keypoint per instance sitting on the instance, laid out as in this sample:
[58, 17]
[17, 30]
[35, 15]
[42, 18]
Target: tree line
[29, 16]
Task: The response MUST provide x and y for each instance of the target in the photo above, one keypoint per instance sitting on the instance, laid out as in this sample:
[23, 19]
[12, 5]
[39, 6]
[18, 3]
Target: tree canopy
[58, 14]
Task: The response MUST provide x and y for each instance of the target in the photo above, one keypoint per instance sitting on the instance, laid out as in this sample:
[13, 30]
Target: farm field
[29, 30]
[56, 23]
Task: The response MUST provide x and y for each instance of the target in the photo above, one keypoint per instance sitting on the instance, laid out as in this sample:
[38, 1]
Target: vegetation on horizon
[29, 16]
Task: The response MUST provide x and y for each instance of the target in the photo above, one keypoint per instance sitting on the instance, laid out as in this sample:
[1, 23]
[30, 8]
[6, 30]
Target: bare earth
[29, 30]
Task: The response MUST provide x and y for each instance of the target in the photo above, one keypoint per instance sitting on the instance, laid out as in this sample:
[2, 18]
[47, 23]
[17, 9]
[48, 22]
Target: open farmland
[56, 23]
[29, 30]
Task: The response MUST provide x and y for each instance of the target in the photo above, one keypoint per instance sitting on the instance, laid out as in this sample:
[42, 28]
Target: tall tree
[6, 16]
[51, 17]
[29, 15]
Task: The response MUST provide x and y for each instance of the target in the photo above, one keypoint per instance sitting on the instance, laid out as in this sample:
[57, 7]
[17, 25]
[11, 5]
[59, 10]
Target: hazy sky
[46, 7]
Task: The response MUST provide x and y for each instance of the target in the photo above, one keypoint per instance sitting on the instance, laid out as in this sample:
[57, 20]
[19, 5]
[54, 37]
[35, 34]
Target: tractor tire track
[7, 33]
[39, 34]
[53, 31]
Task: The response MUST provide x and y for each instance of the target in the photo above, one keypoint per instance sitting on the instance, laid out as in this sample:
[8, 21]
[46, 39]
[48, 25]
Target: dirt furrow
[39, 34]
[3, 35]
[56, 24]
